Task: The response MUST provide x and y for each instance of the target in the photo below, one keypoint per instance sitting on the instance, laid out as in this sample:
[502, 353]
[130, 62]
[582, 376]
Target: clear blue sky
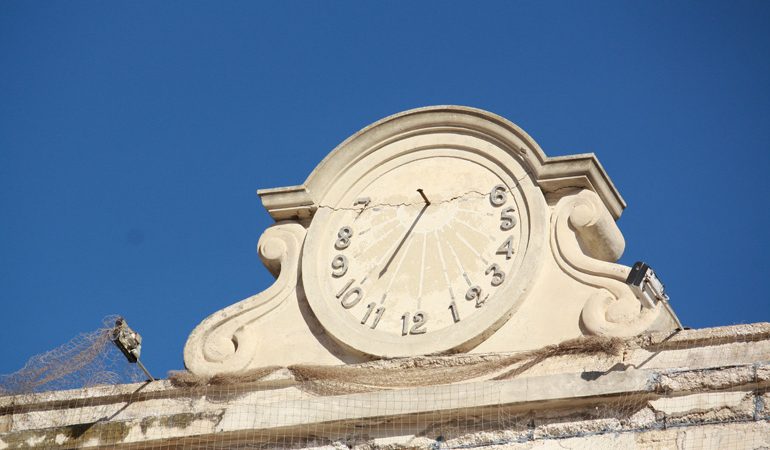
[133, 136]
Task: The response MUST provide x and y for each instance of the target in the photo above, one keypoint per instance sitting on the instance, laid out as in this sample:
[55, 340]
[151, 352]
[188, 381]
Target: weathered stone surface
[559, 399]
[706, 407]
[694, 380]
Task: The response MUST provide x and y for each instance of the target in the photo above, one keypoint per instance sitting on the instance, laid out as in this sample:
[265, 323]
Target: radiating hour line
[469, 211]
[377, 264]
[471, 227]
[400, 261]
[379, 225]
[422, 269]
[467, 244]
[390, 250]
[374, 244]
[459, 264]
[443, 265]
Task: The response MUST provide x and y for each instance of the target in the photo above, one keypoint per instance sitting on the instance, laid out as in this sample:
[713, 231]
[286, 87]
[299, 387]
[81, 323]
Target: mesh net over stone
[690, 389]
[88, 359]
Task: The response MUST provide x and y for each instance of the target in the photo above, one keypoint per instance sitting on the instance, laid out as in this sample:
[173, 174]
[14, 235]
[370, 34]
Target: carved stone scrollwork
[586, 242]
[218, 344]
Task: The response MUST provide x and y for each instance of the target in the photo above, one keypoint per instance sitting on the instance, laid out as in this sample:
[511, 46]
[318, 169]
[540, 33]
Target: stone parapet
[655, 391]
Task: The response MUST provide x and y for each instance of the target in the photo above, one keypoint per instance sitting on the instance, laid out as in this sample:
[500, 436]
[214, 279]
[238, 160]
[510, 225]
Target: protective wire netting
[689, 389]
[88, 359]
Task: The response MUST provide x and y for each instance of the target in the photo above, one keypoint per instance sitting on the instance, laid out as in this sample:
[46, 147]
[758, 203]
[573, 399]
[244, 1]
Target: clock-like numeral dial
[414, 252]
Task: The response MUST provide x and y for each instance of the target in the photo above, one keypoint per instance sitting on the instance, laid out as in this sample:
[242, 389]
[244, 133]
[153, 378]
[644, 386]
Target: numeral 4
[507, 248]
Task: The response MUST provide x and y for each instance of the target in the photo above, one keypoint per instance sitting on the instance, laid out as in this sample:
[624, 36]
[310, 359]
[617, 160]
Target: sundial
[437, 230]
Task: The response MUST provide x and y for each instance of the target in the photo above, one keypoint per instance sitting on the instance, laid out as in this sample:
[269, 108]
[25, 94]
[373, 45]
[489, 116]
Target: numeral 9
[339, 266]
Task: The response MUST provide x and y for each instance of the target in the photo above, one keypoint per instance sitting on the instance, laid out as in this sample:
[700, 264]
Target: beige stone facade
[440, 283]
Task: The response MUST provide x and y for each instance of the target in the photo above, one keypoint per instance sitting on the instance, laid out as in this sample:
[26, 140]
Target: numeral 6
[498, 197]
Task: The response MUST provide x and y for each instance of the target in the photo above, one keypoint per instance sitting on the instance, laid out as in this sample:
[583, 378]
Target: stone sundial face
[437, 230]
[413, 247]
[403, 266]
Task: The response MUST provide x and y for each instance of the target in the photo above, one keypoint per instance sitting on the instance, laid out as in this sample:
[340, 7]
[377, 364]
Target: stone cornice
[552, 174]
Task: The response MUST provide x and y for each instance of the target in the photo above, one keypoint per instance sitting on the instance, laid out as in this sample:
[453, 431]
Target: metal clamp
[129, 342]
[649, 289]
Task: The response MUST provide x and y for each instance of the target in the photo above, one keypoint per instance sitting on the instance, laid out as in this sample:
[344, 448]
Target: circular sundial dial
[418, 247]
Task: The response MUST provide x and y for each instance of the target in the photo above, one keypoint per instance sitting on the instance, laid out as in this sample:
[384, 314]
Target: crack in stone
[469, 194]
[563, 188]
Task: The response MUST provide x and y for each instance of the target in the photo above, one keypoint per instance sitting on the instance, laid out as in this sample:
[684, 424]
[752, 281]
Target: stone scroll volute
[586, 242]
[227, 340]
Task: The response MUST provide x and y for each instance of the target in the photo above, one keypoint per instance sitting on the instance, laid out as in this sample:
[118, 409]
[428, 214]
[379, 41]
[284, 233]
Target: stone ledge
[282, 414]
[640, 391]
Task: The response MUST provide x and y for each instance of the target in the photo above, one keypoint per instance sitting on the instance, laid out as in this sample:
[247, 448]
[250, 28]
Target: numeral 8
[343, 236]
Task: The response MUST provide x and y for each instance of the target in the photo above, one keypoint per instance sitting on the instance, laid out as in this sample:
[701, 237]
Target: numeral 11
[377, 314]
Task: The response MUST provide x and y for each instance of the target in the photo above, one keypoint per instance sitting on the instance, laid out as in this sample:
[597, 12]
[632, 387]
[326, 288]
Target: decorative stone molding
[586, 242]
[552, 173]
[224, 342]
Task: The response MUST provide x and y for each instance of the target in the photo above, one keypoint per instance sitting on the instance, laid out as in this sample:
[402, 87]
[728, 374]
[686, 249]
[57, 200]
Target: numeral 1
[455, 313]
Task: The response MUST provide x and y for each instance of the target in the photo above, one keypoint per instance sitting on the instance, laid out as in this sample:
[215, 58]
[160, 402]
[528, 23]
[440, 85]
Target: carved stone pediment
[437, 230]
